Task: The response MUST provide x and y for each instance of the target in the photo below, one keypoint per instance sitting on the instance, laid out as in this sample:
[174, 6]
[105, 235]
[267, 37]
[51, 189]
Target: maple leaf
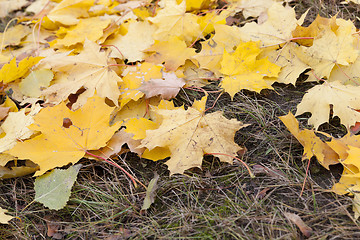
[167, 87]
[347, 75]
[244, 71]
[59, 144]
[11, 71]
[173, 52]
[210, 55]
[7, 6]
[89, 70]
[173, 20]
[36, 81]
[315, 30]
[115, 145]
[313, 145]
[134, 78]
[291, 65]
[189, 134]
[136, 40]
[329, 50]
[342, 99]
[14, 35]
[251, 8]
[67, 12]
[277, 29]
[15, 127]
[88, 28]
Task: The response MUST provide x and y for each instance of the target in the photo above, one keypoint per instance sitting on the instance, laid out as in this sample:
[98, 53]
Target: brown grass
[220, 201]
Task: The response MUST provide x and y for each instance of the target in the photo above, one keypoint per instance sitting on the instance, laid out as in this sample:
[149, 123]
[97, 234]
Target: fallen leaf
[189, 134]
[173, 52]
[150, 193]
[294, 218]
[57, 146]
[4, 218]
[90, 70]
[167, 87]
[11, 71]
[243, 70]
[133, 44]
[53, 189]
[313, 146]
[15, 127]
[341, 99]
[173, 21]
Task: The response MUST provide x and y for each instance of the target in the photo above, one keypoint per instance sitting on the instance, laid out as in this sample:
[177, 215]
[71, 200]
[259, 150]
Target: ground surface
[220, 201]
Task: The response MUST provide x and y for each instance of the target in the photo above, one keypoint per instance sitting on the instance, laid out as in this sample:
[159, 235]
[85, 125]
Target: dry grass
[220, 201]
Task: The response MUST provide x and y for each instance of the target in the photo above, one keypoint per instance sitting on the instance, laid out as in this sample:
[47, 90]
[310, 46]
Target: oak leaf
[66, 135]
[189, 134]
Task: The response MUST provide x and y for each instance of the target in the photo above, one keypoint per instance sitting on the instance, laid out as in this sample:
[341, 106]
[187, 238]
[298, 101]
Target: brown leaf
[294, 218]
[168, 86]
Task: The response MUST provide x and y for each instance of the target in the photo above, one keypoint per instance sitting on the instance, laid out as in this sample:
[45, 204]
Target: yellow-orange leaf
[11, 71]
[66, 135]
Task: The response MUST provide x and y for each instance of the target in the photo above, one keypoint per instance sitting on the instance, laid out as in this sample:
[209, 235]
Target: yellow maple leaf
[189, 134]
[244, 71]
[11, 71]
[173, 52]
[313, 145]
[342, 99]
[88, 28]
[138, 127]
[173, 20]
[31, 85]
[291, 65]
[250, 8]
[133, 80]
[67, 12]
[134, 42]
[14, 35]
[315, 30]
[210, 55]
[90, 70]
[327, 51]
[15, 127]
[277, 29]
[347, 75]
[211, 19]
[66, 135]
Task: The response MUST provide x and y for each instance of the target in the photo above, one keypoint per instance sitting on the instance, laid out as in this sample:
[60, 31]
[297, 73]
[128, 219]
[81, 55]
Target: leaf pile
[90, 68]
